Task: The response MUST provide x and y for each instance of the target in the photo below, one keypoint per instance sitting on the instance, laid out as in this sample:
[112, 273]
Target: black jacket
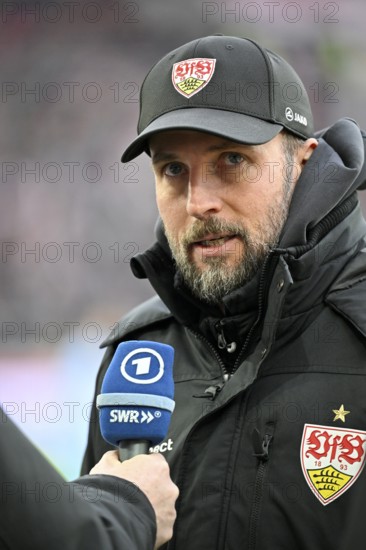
[262, 459]
[39, 510]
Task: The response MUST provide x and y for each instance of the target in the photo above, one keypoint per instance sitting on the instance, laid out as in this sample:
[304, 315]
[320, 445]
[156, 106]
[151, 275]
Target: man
[119, 506]
[260, 274]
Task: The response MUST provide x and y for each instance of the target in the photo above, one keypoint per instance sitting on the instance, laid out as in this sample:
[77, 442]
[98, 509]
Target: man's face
[223, 205]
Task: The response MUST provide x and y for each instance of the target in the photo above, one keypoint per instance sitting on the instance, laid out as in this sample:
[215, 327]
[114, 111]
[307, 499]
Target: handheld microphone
[136, 402]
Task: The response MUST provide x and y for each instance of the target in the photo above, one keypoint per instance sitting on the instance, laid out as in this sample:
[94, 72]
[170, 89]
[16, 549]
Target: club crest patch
[331, 459]
[192, 75]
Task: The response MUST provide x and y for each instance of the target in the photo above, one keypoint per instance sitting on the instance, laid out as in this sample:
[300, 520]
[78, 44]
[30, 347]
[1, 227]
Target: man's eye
[173, 169]
[233, 158]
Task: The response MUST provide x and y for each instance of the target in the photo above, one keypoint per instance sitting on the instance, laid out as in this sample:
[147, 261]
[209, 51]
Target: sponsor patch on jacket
[331, 459]
[192, 75]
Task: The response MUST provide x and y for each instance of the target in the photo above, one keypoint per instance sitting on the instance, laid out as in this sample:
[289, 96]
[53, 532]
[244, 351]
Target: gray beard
[218, 279]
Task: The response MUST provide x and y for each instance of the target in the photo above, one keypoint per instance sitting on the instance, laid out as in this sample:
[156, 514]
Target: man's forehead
[172, 139]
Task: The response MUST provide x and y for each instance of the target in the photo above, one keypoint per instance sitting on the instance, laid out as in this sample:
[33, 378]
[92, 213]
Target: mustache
[213, 225]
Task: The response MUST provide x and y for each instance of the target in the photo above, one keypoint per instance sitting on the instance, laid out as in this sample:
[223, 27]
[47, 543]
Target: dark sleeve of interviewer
[39, 510]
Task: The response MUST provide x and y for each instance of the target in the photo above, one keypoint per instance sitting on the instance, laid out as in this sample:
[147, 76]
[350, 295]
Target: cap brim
[234, 126]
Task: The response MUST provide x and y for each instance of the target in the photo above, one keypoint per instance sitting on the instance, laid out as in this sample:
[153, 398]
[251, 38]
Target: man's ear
[306, 150]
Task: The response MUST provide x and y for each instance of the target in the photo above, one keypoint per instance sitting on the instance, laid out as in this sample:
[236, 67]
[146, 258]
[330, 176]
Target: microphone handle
[132, 447]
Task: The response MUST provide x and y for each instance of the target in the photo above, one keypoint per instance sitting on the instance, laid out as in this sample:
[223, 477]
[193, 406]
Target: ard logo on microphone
[142, 366]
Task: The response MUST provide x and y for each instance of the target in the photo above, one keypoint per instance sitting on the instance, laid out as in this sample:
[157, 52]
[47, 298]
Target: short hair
[290, 144]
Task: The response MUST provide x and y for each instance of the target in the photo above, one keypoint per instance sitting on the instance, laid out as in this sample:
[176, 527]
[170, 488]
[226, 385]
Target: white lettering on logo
[301, 119]
[163, 447]
[290, 115]
[123, 416]
[142, 365]
[118, 415]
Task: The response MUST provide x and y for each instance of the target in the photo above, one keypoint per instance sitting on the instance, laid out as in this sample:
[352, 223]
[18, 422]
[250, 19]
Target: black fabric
[327, 179]
[251, 93]
[234, 446]
[41, 511]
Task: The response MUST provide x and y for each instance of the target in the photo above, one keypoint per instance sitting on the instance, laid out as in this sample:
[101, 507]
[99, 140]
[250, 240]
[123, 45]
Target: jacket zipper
[221, 340]
[213, 390]
[263, 279]
[261, 452]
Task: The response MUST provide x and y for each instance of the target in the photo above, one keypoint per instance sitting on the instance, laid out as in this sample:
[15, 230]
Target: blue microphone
[137, 398]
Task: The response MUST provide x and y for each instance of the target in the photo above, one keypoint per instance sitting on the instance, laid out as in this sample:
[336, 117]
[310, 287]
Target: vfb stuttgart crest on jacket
[331, 459]
[192, 75]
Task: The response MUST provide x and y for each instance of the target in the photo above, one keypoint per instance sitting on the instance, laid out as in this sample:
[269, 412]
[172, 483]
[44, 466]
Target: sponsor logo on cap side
[331, 459]
[142, 366]
[290, 115]
[190, 76]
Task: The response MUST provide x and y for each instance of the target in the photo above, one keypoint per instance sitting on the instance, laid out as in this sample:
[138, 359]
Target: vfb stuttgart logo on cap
[331, 459]
[192, 75]
[142, 366]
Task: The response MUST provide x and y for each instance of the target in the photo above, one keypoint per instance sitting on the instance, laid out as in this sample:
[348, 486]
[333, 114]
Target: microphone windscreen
[136, 402]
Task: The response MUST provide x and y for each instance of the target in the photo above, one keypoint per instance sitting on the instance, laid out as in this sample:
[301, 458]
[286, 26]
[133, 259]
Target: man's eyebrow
[161, 156]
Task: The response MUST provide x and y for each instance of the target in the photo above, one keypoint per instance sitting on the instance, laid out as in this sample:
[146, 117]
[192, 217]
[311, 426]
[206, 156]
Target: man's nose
[204, 195]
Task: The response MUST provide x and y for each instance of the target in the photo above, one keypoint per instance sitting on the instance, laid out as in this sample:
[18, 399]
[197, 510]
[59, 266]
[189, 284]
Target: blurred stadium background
[71, 215]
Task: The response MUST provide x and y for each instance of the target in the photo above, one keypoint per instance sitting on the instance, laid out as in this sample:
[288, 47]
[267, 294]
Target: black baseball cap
[226, 86]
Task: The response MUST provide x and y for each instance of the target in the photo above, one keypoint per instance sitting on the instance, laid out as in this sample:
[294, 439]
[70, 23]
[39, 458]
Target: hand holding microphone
[151, 475]
[135, 406]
